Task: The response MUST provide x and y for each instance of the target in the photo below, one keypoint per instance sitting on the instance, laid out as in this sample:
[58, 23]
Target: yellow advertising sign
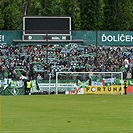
[115, 89]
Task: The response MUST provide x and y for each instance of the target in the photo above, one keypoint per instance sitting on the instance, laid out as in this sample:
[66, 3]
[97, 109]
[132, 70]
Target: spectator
[39, 77]
[23, 61]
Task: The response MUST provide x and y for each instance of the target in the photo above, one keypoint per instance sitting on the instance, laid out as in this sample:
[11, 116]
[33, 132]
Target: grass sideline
[66, 114]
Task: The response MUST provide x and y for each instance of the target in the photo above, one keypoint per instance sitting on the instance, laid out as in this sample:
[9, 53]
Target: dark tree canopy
[85, 14]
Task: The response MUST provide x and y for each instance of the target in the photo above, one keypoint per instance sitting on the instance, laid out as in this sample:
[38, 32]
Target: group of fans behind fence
[41, 61]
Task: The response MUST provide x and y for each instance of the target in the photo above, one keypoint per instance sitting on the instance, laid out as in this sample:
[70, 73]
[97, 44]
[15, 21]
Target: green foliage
[85, 14]
[57, 8]
[11, 14]
[91, 14]
[46, 9]
[13, 18]
[1, 20]
[72, 9]
[34, 8]
[118, 14]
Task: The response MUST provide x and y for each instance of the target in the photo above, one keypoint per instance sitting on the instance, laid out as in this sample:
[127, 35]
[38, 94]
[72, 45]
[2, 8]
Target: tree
[118, 14]
[13, 18]
[1, 16]
[57, 8]
[46, 7]
[91, 14]
[85, 14]
[72, 9]
[11, 14]
[1, 21]
[34, 8]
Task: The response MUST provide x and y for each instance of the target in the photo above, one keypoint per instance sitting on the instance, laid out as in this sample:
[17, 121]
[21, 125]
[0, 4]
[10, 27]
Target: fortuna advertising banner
[114, 89]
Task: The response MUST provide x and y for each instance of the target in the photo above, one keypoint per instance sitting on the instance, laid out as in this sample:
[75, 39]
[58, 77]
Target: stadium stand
[37, 62]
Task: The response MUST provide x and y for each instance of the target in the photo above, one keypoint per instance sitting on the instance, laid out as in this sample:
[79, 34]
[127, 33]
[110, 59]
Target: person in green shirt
[123, 69]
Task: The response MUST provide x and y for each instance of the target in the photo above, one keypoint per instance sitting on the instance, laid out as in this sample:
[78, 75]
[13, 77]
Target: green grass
[66, 114]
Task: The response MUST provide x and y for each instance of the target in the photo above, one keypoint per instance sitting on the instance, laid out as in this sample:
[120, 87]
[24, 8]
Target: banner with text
[117, 38]
[115, 89]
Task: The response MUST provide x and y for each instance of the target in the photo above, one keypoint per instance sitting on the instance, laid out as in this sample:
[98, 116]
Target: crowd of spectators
[40, 61]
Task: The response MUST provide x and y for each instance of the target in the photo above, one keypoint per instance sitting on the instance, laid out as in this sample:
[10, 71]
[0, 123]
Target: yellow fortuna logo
[115, 89]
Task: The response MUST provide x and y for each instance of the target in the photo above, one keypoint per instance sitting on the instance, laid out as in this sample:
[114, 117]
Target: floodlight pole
[25, 7]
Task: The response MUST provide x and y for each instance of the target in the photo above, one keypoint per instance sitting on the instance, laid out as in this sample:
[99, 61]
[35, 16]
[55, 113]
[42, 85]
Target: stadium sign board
[114, 89]
[104, 38]
[45, 37]
[117, 38]
[46, 28]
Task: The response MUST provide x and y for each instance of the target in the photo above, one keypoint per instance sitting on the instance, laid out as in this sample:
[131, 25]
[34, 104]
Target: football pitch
[66, 114]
